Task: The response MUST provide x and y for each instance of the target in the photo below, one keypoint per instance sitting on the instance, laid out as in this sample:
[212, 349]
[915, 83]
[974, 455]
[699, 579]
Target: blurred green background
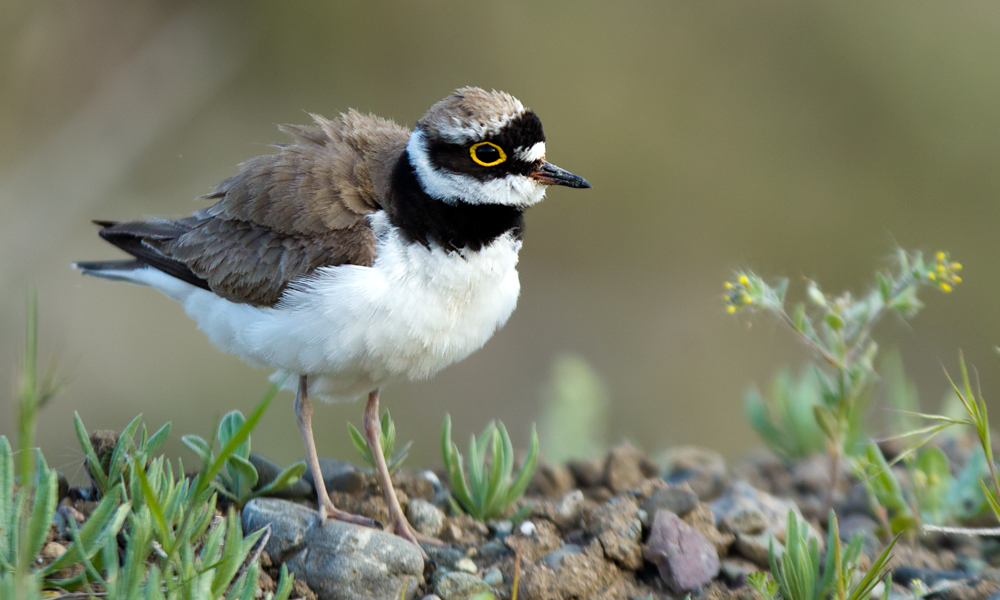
[804, 139]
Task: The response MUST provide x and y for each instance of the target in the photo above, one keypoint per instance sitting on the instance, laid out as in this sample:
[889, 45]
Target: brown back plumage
[283, 215]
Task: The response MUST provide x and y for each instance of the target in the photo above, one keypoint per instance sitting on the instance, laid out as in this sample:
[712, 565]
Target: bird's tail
[120, 270]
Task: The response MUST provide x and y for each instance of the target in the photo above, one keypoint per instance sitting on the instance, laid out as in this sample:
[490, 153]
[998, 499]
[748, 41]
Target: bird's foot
[329, 511]
[403, 529]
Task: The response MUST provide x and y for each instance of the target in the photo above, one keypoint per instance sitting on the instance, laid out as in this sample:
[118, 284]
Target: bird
[359, 254]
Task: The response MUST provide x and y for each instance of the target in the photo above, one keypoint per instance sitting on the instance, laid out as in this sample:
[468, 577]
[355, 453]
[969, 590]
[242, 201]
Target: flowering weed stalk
[838, 329]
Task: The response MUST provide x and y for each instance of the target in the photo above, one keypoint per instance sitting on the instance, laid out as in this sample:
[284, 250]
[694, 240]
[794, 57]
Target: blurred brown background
[803, 139]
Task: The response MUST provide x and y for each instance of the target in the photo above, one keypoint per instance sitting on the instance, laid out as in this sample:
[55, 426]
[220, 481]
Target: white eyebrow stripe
[536, 152]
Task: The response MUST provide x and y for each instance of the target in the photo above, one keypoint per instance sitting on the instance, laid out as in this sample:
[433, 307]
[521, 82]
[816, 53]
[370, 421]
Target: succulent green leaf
[199, 446]
[93, 464]
[229, 427]
[285, 479]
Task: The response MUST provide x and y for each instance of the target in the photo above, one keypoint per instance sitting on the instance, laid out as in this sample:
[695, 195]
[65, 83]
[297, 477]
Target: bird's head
[482, 147]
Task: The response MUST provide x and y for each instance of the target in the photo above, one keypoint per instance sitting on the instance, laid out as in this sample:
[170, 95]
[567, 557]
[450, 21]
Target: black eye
[487, 154]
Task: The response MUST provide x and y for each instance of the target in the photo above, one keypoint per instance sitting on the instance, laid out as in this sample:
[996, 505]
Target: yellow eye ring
[472, 153]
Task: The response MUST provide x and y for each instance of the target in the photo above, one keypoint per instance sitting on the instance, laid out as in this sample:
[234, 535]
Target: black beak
[549, 174]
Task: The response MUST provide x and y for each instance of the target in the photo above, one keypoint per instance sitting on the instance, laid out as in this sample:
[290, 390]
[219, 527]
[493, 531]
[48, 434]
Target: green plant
[838, 329]
[896, 512]
[763, 584]
[796, 571]
[387, 439]
[238, 479]
[786, 420]
[112, 470]
[976, 416]
[574, 411]
[491, 488]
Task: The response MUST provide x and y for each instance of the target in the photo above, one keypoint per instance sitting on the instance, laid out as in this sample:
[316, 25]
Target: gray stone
[339, 476]
[554, 559]
[268, 471]
[467, 566]
[459, 586]
[679, 499]
[616, 524]
[425, 517]
[493, 551]
[757, 547]
[734, 571]
[855, 525]
[704, 470]
[337, 560]
[685, 559]
[431, 597]
[493, 577]
[441, 497]
[756, 517]
[501, 529]
[445, 557]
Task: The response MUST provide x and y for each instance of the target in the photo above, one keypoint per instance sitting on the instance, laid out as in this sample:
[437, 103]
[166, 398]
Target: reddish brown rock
[685, 559]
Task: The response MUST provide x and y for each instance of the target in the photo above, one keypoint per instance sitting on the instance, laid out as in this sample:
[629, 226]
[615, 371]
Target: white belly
[352, 329]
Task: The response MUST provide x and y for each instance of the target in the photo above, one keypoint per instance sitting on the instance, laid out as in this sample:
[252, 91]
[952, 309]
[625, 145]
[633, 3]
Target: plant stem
[29, 391]
[808, 341]
[834, 451]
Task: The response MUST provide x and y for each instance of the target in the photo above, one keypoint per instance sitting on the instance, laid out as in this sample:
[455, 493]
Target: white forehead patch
[512, 190]
[463, 132]
[536, 152]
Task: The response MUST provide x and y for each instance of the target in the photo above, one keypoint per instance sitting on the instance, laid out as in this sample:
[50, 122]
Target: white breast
[352, 328]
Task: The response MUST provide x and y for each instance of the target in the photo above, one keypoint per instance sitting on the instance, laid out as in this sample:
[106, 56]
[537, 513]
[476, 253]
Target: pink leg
[303, 413]
[373, 431]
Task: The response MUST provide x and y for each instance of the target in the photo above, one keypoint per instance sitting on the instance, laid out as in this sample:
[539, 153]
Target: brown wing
[282, 216]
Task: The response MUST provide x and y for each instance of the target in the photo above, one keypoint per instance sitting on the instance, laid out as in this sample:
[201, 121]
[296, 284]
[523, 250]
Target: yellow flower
[944, 287]
[744, 280]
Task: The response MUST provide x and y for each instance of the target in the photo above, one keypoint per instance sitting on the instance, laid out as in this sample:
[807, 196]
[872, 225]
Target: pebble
[337, 560]
[431, 597]
[493, 577]
[527, 529]
[623, 469]
[441, 497]
[755, 518]
[757, 548]
[569, 504]
[734, 571]
[51, 551]
[618, 527]
[466, 565]
[679, 499]
[685, 559]
[445, 557]
[459, 586]
[502, 529]
[554, 559]
[338, 475]
[425, 517]
[704, 470]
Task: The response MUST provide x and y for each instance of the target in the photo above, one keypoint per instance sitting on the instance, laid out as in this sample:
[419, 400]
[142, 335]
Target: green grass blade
[285, 479]
[238, 438]
[7, 516]
[527, 469]
[93, 464]
[44, 508]
[152, 502]
[156, 440]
